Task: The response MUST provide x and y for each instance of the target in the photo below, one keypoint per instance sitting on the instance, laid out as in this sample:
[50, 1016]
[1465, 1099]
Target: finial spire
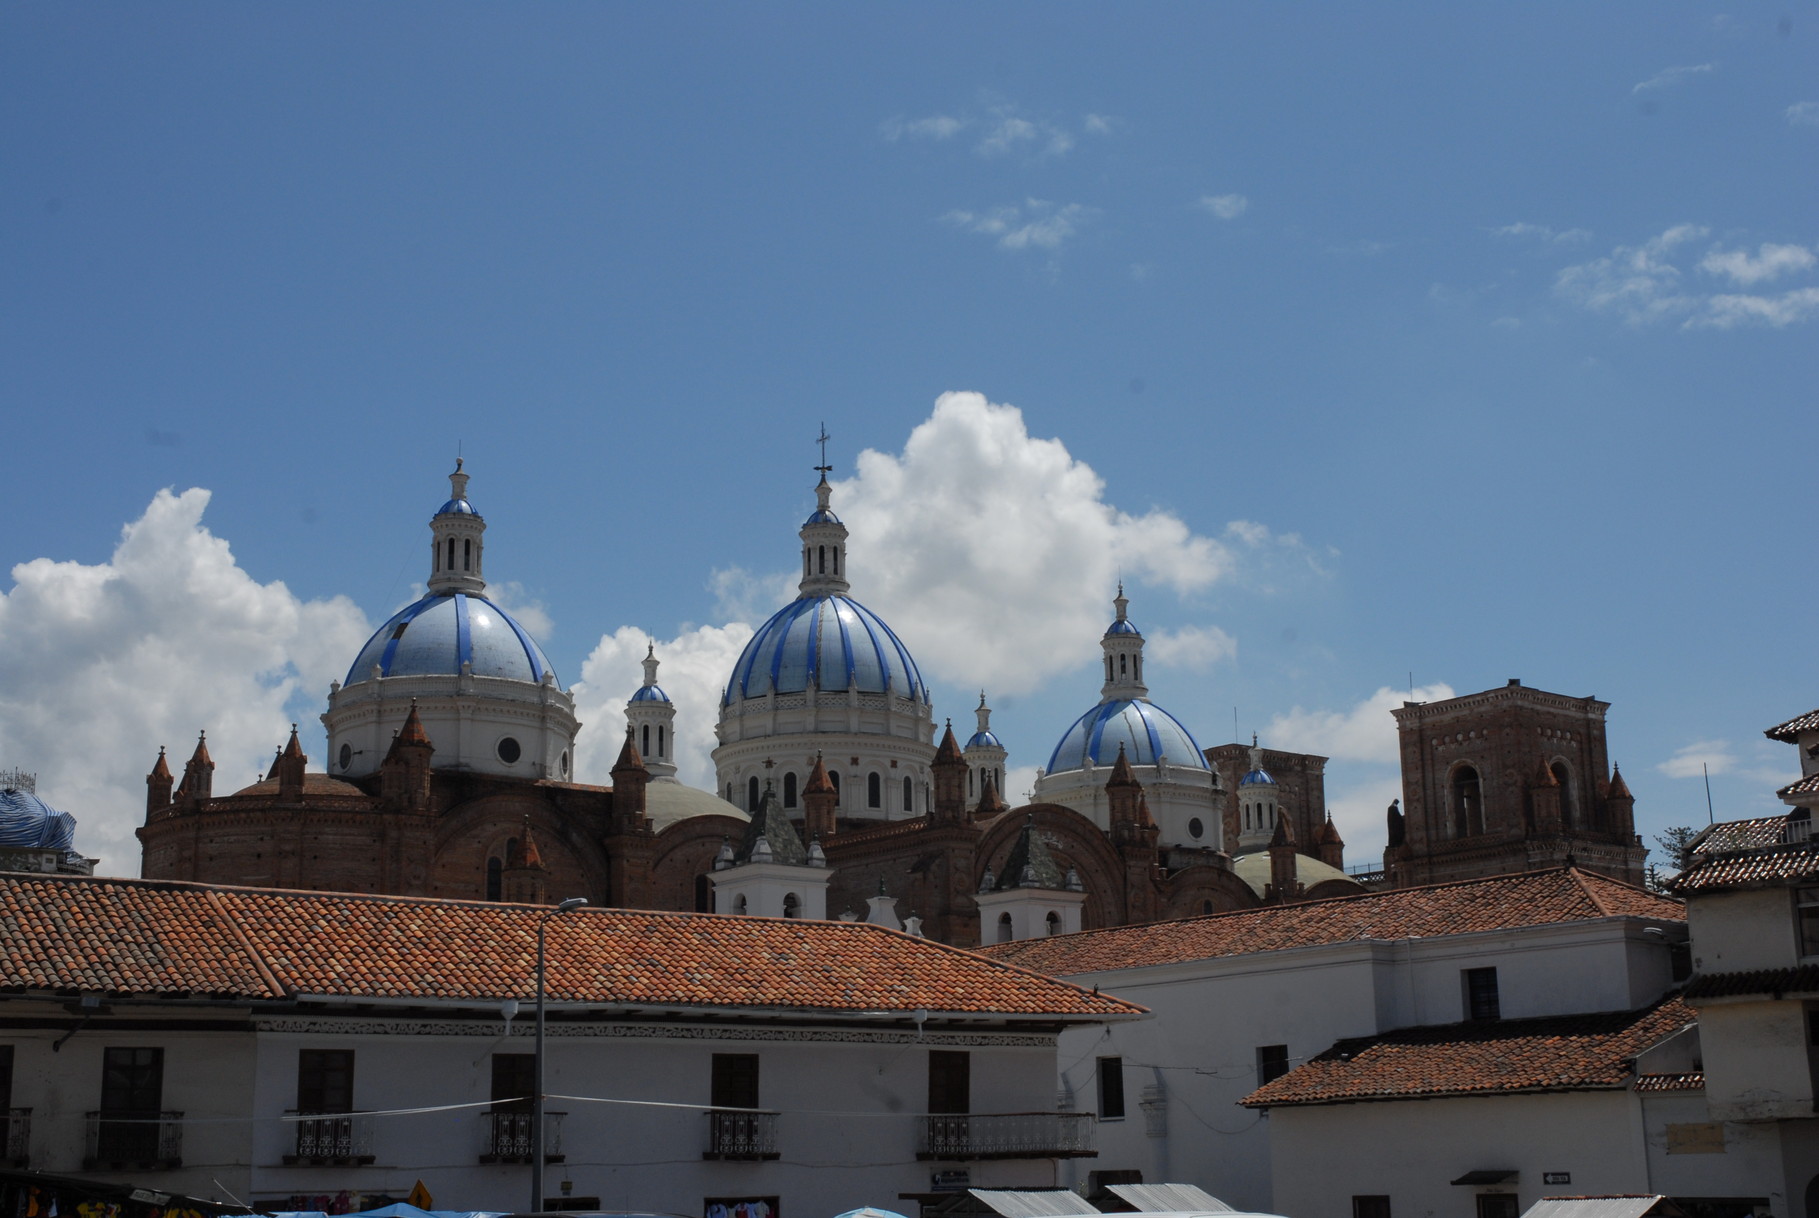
[822, 440]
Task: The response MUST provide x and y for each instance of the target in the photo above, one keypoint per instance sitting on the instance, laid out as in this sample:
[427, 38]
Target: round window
[509, 752]
[1195, 829]
[347, 755]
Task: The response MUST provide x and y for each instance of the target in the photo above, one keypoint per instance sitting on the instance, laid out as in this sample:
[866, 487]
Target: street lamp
[537, 1099]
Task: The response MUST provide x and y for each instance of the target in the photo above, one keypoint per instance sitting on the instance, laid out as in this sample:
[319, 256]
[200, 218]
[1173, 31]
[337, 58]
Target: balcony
[15, 1137]
[747, 1136]
[1007, 1135]
[326, 1140]
[139, 1141]
[508, 1137]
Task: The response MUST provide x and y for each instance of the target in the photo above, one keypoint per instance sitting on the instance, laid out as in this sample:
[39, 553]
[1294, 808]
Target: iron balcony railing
[741, 1135]
[144, 1140]
[508, 1137]
[15, 1137]
[1007, 1135]
[344, 1139]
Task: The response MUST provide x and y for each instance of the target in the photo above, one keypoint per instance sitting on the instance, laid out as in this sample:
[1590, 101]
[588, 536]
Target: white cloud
[1226, 207]
[1365, 733]
[1193, 648]
[1099, 124]
[741, 596]
[1541, 232]
[693, 672]
[1803, 114]
[1769, 262]
[1038, 224]
[102, 664]
[1699, 758]
[1359, 811]
[1638, 282]
[1007, 132]
[1725, 312]
[529, 612]
[934, 127]
[1667, 78]
[995, 553]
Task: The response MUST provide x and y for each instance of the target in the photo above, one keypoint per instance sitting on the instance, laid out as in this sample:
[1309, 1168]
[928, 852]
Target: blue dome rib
[1144, 729]
[442, 631]
[829, 642]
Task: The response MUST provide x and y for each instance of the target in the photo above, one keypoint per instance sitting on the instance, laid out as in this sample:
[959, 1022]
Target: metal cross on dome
[824, 468]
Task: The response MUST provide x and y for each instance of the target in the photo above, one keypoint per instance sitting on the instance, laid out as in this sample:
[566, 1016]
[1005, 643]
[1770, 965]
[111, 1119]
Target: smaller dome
[1257, 778]
[650, 693]
[457, 507]
[1144, 730]
[822, 516]
[984, 740]
[1123, 626]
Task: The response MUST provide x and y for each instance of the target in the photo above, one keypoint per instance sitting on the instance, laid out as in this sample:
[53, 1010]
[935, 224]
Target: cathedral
[451, 763]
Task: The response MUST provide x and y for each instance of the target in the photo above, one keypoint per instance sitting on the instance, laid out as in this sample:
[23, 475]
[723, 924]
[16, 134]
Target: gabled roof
[1789, 732]
[1745, 834]
[114, 936]
[1532, 898]
[1768, 867]
[1556, 1053]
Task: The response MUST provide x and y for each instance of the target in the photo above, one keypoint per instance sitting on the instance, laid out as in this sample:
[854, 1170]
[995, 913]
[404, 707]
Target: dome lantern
[456, 532]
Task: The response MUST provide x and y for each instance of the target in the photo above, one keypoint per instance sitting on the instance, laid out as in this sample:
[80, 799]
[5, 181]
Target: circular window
[1195, 829]
[509, 752]
[347, 755]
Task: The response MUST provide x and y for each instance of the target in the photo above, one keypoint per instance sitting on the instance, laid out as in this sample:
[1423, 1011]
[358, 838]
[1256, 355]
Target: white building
[284, 1046]
[1243, 999]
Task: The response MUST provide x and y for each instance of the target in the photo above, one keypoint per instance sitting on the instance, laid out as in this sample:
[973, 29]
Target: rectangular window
[1272, 1063]
[325, 1080]
[6, 1079]
[132, 1080]
[1497, 1205]
[514, 1079]
[1481, 1000]
[735, 1081]
[950, 1081]
[1111, 1088]
[1807, 910]
[1370, 1207]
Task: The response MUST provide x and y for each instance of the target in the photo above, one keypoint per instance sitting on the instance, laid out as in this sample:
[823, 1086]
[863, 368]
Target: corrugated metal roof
[1595, 1207]
[1018, 1203]
[1169, 1197]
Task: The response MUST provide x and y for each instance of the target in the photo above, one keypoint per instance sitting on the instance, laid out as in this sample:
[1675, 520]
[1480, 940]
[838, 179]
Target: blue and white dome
[438, 634]
[650, 693]
[1258, 777]
[830, 642]
[984, 740]
[457, 507]
[1143, 729]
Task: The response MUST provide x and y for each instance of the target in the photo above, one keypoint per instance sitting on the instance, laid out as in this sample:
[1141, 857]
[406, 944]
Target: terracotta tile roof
[1789, 732]
[1772, 981]
[118, 936]
[1557, 1053]
[1752, 868]
[1530, 899]
[1748, 834]
[1805, 786]
[1692, 1080]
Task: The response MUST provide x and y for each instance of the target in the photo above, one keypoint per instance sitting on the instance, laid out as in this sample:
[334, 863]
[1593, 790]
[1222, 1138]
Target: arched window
[836, 560]
[1468, 802]
[451, 553]
[1206, 907]
[792, 905]
[495, 882]
[874, 790]
[789, 790]
[909, 795]
[729, 792]
[969, 784]
[751, 794]
[646, 749]
[1108, 668]
[739, 904]
[1054, 922]
[704, 895]
[805, 563]
[833, 776]
[467, 553]
[1137, 667]
[1004, 928]
[1122, 660]
[660, 744]
[823, 552]
[1569, 815]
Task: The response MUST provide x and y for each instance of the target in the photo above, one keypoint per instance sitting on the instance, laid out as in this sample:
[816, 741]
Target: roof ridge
[238, 932]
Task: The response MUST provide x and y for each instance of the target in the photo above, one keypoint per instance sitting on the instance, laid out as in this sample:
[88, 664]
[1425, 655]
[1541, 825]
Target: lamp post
[537, 1069]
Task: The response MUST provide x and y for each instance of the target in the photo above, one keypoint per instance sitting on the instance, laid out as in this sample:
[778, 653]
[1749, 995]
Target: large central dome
[829, 643]
[445, 634]
[1142, 729]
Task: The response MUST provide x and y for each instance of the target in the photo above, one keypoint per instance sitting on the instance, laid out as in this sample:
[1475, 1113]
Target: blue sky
[1491, 327]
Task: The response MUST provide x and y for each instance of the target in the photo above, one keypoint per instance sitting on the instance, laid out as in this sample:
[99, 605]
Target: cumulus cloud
[1037, 224]
[1727, 311]
[1366, 732]
[694, 667]
[1099, 124]
[934, 127]
[1698, 759]
[1226, 207]
[101, 664]
[1803, 114]
[1194, 648]
[1769, 262]
[1541, 232]
[1007, 131]
[998, 553]
[1667, 78]
[1639, 283]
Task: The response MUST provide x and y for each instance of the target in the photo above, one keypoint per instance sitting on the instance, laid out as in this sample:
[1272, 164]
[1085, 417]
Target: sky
[1380, 351]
